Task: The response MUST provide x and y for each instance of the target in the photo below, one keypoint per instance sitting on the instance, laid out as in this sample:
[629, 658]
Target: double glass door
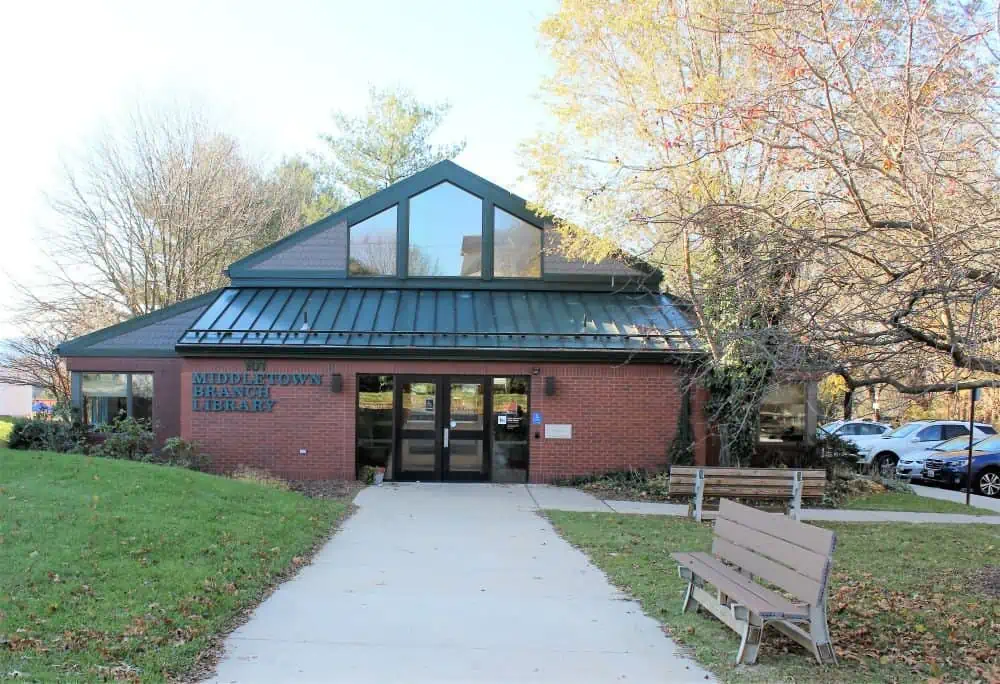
[442, 428]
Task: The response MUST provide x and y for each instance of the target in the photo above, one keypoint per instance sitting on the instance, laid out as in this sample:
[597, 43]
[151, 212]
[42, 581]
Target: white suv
[912, 443]
[860, 433]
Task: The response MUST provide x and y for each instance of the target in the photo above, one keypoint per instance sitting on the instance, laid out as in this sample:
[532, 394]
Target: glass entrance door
[441, 431]
[466, 446]
[419, 434]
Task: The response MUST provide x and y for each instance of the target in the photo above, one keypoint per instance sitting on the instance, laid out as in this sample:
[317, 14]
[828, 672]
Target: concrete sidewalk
[452, 583]
[570, 499]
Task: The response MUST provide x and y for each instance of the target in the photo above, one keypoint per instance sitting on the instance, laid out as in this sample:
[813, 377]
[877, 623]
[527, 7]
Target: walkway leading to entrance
[451, 583]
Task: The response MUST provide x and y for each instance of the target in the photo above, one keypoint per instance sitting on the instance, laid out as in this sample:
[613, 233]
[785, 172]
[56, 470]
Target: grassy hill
[122, 570]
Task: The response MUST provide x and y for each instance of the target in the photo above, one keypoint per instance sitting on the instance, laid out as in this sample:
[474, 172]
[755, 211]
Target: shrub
[367, 474]
[259, 476]
[834, 454]
[634, 483]
[182, 453]
[128, 439]
[47, 434]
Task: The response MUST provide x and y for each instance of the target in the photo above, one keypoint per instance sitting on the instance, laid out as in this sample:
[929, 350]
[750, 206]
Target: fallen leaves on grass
[931, 633]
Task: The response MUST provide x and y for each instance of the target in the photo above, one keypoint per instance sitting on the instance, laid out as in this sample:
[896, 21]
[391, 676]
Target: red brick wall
[621, 415]
[166, 385]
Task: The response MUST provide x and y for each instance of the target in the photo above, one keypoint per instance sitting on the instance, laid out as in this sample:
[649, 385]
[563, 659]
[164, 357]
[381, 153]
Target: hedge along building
[434, 328]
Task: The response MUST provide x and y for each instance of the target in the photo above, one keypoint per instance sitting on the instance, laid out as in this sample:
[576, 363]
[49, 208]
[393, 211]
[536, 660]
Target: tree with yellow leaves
[816, 174]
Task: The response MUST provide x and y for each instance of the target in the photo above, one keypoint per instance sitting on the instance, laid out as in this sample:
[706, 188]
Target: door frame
[442, 418]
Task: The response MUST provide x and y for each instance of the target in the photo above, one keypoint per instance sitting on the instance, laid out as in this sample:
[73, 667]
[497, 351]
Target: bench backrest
[791, 555]
[762, 483]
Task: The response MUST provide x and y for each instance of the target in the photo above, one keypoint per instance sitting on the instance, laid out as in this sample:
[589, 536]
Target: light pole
[974, 394]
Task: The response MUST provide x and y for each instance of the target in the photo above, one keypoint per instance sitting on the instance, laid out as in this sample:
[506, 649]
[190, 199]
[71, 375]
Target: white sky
[268, 72]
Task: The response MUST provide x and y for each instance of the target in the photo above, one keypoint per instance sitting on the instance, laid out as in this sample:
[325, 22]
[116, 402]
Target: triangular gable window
[372, 249]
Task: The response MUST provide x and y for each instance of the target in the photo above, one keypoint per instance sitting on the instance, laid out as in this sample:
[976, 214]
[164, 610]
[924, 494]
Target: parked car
[860, 433]
[911, 465]
[915, 438]
[949, 469]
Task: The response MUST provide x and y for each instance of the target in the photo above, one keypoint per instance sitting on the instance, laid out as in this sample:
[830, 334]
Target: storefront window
[511, 428]
[783, 414]
[374, 426]
[142, 396]
[106, 396]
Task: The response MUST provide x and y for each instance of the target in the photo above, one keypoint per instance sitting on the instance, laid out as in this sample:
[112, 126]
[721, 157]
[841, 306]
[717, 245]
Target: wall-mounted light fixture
[550, 385]
[536, 371]
[336, 382]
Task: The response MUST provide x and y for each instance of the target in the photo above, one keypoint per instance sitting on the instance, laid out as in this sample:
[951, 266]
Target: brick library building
[434, 329]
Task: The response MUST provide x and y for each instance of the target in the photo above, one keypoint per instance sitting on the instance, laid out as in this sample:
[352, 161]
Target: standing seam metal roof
[440, 319]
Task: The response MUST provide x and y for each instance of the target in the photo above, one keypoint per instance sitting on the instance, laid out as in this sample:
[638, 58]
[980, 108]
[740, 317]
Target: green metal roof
[318, 319]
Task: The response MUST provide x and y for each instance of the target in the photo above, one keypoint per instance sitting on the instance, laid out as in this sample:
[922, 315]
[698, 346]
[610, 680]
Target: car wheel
[988, 483]
[885, 463]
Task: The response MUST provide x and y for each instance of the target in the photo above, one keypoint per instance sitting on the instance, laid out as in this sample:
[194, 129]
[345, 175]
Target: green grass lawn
[902, 501]
[6, 423]
[121, 570]
[906, 602]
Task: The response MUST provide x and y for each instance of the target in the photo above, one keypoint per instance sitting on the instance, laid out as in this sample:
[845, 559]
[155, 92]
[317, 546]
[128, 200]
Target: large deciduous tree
[390, 141]
[803, 172]
[152, 212]
[149, 214]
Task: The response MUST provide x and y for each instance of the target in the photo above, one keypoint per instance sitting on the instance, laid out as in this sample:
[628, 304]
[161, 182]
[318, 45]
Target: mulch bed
[987, 581]
[326, 489]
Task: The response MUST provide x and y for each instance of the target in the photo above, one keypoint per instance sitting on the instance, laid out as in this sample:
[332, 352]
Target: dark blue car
[949, 468]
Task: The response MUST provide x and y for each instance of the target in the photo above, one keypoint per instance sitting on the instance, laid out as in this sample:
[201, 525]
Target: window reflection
[374, 426]
[373, 245]
[511, 424]
[106, 397]
[783, 414]
[142, 396]
[517, 247]
[446, 233]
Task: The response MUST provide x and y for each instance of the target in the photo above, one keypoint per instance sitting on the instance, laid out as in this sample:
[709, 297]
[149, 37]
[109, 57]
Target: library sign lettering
[250, 392]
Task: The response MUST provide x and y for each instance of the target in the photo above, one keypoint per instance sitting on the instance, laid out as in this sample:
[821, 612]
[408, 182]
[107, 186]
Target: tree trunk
[848, 403]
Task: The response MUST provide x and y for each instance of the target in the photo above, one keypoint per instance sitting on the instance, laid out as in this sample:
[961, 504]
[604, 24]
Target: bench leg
[749, 644]
[699, 494]
[819, 633]
[692, 580]
[753, 630]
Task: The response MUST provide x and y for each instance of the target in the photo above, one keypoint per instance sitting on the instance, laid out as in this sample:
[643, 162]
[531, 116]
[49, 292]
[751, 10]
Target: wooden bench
[743, 483]
[790, 555]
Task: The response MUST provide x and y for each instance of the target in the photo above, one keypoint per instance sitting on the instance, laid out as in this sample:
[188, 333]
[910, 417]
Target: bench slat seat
[732, 582]
[747, 545]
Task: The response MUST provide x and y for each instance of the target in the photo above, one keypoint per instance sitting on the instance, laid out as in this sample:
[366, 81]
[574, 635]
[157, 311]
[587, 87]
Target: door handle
[446, 437]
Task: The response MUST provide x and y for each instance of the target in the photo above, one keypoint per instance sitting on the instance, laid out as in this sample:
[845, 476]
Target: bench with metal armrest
[748, 544]
[701, 482]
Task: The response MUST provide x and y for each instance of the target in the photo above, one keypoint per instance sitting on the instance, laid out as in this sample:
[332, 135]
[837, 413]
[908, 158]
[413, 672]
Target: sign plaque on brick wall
[558, 431]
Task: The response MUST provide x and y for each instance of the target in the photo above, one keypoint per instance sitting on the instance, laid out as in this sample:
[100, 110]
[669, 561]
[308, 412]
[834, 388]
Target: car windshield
[905, 430]
[955, 443]
[829, 428]
[989, 444]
